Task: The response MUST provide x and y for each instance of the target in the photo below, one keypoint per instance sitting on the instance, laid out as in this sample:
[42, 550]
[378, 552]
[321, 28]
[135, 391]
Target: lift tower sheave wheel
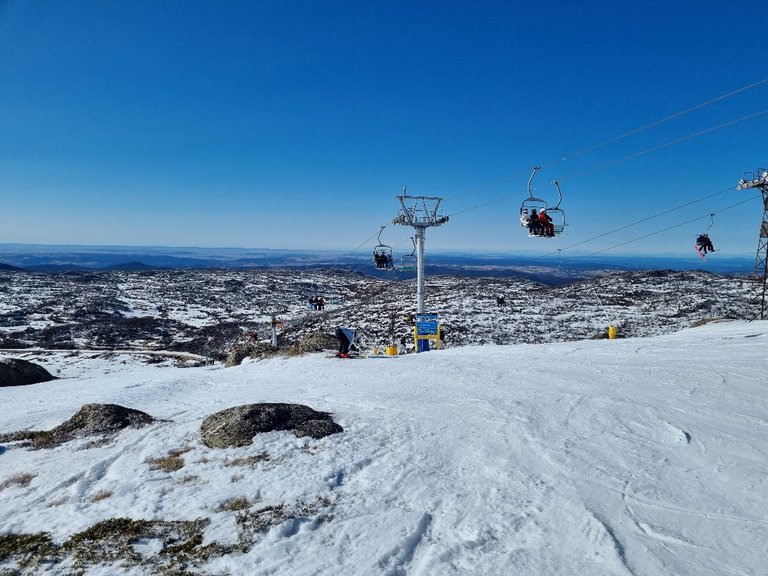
[759, 180]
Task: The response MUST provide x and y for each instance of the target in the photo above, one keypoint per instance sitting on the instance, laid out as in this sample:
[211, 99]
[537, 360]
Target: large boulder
[90, 420]
[16, 372]
[238, 425]
[103, 419]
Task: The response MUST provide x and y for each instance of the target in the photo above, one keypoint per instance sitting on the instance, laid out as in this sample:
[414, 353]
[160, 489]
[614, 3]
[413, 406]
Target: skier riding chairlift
[703, 242]
[532, 207]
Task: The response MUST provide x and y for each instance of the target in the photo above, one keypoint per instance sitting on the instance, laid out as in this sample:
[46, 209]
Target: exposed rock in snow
[90, 420]
[17, 372]
[238, 425]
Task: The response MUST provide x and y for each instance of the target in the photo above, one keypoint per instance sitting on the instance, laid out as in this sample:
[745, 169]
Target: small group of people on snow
[317, 303]
[538, 223]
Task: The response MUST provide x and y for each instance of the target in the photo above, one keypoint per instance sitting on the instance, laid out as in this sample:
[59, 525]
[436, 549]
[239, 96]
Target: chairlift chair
[557, 214]
[705, 236]
[408, 261]
[531, 203]
[382, 254]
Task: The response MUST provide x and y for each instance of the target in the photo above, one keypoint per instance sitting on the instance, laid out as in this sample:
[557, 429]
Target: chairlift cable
[662, 120]
[666, 144]
[604, 143]
[623, 159]
[647, 218]
[619, 137]
[666, 229]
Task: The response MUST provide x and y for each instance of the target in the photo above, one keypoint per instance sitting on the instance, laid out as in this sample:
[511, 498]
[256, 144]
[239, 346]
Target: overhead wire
[664, 145]
[662, 120]
[620, 137]
[610, 163]
[666, 229]
[623, 159]
[646, 219]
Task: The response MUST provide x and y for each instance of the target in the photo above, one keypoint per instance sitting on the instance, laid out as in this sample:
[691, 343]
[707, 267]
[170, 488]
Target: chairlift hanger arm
[533, 173]
[559, 194]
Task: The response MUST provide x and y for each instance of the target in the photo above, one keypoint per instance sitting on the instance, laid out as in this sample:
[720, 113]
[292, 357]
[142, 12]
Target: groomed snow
[644, 456]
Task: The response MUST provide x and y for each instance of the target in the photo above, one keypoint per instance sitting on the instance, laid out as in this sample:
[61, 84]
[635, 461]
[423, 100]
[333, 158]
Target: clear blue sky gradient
[293, 124]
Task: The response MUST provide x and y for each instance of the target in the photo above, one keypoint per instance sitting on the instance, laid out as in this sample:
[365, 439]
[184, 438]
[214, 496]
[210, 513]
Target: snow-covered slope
[642, 456]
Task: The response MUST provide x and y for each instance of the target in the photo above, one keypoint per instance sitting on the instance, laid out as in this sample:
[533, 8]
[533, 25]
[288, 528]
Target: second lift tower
[421, 213]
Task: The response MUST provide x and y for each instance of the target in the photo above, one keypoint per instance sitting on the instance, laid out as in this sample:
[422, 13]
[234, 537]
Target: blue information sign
[426, 324]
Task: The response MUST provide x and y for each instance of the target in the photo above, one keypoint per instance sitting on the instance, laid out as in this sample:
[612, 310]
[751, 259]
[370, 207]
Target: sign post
[427, 328]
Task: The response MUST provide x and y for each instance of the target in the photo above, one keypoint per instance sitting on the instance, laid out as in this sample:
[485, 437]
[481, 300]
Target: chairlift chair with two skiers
[532, 207]
[382, 254]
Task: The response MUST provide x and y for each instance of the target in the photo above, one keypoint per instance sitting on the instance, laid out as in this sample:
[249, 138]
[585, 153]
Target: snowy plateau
[531, 445]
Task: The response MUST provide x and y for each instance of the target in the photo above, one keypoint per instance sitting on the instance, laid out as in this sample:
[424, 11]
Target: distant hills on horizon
[46, 258]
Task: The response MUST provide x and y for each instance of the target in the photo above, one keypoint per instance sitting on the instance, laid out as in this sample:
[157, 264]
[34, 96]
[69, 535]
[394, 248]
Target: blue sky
[294, 124]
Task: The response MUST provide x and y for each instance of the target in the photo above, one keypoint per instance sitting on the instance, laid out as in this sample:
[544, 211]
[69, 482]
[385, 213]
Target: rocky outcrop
[90, 420]
[238, 425]
[16, 372]
[315, 342]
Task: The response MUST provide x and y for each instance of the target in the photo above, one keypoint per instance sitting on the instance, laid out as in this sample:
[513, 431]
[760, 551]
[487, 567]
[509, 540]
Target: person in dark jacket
[534, 224]
[705, 244]
[346, 336]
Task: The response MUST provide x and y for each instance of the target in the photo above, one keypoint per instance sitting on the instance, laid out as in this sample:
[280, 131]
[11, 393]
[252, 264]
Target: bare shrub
[240, 503]
[169, 463]
[101, 495]
[20, 480]
[250, 461]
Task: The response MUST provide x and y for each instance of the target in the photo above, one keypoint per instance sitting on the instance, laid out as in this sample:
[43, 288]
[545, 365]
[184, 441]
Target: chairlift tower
[274, 322]
[420, 212]
[759, 180]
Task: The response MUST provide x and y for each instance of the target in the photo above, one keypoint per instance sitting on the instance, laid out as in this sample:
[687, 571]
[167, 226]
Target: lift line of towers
[541, 220]
[422, 212]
